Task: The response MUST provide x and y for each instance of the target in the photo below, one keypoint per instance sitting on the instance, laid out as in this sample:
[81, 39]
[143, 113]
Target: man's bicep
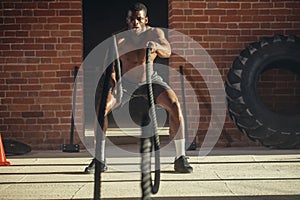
[161, 37]
[164, 48]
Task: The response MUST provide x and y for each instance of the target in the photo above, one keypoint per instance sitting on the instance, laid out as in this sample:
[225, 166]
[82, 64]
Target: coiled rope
[148, 140]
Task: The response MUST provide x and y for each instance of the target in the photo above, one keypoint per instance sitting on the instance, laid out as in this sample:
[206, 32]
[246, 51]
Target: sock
[102, 150]
[179, 147]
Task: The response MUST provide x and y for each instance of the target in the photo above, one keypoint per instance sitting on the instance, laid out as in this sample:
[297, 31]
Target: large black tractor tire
[245, 108]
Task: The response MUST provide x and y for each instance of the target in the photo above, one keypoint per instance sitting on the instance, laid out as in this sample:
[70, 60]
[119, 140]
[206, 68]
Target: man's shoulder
[159, 32]
[155, 29]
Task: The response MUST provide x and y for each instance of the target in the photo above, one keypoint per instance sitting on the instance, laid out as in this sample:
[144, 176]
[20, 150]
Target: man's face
[136, 21]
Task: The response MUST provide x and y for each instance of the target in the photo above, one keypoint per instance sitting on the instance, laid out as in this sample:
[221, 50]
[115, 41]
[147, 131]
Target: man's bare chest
[126, 46]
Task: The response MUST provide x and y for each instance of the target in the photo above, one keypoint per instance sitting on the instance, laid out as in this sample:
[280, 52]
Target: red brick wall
[41, 42]
[284, 87]
[224, 28]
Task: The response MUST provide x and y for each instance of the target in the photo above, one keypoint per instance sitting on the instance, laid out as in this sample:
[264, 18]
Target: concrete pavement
[225, 173]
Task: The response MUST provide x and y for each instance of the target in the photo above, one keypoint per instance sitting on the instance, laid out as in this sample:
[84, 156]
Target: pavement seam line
[77, 191]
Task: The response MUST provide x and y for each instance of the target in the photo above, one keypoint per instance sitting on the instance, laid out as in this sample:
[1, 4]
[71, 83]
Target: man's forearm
[163, 51]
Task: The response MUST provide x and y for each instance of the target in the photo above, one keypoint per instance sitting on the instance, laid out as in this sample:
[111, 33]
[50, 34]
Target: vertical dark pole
[71, 147]
[188, 146]
[73, 106]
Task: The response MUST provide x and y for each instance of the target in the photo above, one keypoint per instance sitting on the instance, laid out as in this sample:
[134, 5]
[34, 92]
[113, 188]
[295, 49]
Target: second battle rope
[99, 134]
[149, 138]
[101, 115]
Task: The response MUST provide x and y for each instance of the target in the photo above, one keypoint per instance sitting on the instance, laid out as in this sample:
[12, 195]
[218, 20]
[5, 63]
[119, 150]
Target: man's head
[137, 17]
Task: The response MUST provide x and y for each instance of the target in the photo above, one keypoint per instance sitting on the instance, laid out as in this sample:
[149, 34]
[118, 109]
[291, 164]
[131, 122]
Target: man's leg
[111, 103]
[169, 101]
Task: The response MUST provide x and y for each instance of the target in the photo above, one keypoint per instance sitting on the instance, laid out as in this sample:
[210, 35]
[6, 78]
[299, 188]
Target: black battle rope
[99, 134]
[118, 72]
[148, 139]
[100, 117]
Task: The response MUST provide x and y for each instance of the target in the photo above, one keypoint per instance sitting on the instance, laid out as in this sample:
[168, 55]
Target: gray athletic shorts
[132, 90]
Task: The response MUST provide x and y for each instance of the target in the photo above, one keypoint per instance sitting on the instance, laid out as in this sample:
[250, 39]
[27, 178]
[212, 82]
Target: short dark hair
[138, 7]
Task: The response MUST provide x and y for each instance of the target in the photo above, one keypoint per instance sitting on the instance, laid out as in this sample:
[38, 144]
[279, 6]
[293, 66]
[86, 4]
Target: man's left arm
[161, 44]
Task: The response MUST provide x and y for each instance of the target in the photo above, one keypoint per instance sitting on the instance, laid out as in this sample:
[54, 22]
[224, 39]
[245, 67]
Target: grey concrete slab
[225, 173]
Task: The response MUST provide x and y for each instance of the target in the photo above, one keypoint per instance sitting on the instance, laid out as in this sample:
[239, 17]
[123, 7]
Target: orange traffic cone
[3, 161]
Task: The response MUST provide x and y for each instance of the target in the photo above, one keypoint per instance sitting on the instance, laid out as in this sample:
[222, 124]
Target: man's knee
[175, 108]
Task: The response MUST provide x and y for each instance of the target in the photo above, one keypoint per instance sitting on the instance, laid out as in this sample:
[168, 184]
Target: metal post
[188, 145]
